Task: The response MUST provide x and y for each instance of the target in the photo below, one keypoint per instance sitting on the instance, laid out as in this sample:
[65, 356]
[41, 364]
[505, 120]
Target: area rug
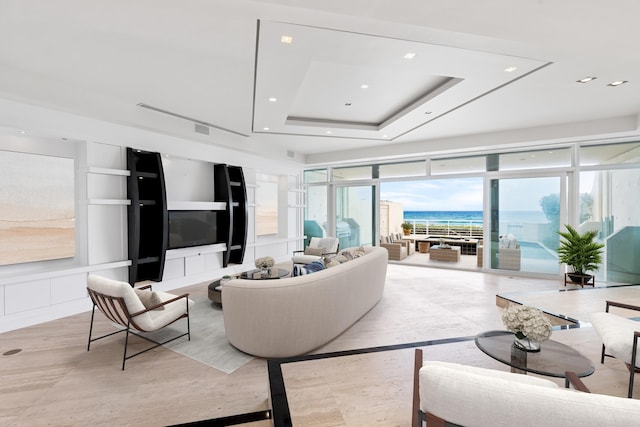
[208, 343]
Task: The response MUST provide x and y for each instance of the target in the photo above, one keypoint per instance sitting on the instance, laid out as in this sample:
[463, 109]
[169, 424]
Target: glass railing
[460, 228]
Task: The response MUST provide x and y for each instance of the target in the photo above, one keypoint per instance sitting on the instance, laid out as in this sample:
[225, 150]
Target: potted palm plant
[406, 228]
[581, 253]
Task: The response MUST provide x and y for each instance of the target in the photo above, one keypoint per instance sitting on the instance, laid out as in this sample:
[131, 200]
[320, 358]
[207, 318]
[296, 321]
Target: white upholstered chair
[619, 337]
[449, 394]
[136, 310]
[318, 246]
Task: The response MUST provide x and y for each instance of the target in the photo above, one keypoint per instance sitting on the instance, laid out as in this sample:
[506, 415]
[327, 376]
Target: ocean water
[535, 217]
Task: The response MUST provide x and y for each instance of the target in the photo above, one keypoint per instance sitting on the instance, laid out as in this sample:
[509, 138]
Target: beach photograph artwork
[266, 208]
[37, 208]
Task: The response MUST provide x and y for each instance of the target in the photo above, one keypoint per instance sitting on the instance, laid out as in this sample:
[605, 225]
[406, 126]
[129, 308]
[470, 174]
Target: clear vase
[526, 344]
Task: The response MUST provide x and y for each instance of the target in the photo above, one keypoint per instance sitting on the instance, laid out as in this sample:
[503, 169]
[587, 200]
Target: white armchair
[619, 337]
[136, 310]
[318, 246]
[448, 394]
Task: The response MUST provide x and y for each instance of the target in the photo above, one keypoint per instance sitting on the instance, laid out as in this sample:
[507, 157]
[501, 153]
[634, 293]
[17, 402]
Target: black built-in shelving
[147, 216]
[232, 225]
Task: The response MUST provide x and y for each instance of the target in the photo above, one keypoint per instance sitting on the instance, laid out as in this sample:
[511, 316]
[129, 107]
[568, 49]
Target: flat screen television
[192, 228]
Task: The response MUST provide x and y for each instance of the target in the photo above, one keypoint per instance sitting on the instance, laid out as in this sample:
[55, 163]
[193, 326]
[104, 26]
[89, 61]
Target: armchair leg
[93, 313]
[632, 367]
[126, 342]
[602, 355]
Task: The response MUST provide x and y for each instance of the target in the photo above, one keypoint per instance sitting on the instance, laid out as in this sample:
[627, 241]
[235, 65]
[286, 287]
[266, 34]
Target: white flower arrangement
[526, 321]
[265, 262]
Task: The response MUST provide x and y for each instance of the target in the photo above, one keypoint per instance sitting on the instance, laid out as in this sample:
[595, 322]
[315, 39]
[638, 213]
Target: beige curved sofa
[294, 315]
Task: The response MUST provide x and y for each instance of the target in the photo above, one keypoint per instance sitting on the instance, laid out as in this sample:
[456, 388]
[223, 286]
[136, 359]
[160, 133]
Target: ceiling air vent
[201, 129]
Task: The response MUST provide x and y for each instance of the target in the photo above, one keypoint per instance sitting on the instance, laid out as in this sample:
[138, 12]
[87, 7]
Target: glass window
[316, 175]
[458, 165]
[405, 169]
[539, 159]
[610, 154]
[606, 206]
[352, 173]
[355, 216]
[315, 218]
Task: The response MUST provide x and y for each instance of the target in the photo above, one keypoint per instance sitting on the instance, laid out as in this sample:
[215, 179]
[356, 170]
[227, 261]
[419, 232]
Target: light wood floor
[54, 381]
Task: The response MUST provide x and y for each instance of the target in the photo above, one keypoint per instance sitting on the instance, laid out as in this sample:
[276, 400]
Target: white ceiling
[219, 62]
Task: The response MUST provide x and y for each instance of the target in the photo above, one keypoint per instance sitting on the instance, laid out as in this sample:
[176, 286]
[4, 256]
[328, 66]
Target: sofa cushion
[353, 253]
[299, 270]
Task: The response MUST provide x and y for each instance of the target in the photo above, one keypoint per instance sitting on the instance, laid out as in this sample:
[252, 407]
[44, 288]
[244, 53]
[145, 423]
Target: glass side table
[553, 359]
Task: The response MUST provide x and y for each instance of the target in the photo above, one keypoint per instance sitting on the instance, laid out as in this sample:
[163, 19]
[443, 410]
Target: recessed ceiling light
[286, 39]
[22, 132]
[586, 79]
[510, 69]
[409, 55]
[273, 99]
[617, 83]
[328, 132]
[364, 86]
[265, 128]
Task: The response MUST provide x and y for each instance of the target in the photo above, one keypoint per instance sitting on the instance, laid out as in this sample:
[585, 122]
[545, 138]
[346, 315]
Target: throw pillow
[314, 251]
[347, 254]
[341, 258]
[358, 252]
[332, 263]
[307, 269]
[149, 298]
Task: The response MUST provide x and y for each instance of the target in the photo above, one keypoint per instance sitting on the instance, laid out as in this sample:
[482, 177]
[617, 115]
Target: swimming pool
[535, 250]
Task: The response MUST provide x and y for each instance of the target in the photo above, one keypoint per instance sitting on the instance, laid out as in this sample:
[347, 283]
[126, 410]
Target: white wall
[37, 292]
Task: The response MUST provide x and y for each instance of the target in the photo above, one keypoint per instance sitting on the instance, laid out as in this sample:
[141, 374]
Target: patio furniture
[450, 254]
[397, 250]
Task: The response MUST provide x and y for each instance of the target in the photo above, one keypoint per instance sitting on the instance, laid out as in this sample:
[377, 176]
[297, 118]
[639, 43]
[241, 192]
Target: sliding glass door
[355, 215]
[526, 214]
[608, 206]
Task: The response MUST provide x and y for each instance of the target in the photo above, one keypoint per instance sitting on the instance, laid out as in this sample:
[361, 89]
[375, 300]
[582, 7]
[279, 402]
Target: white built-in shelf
[108, 171]
[196, 206]
[109, 202]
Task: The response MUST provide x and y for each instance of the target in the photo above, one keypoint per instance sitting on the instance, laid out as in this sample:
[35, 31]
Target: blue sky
[465, 194]
[435, 195]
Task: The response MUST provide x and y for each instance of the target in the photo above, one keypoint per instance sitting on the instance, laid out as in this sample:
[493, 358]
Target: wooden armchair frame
[115, 309]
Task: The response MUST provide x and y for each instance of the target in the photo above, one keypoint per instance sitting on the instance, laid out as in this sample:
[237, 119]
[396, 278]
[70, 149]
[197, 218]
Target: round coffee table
[553, 359]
